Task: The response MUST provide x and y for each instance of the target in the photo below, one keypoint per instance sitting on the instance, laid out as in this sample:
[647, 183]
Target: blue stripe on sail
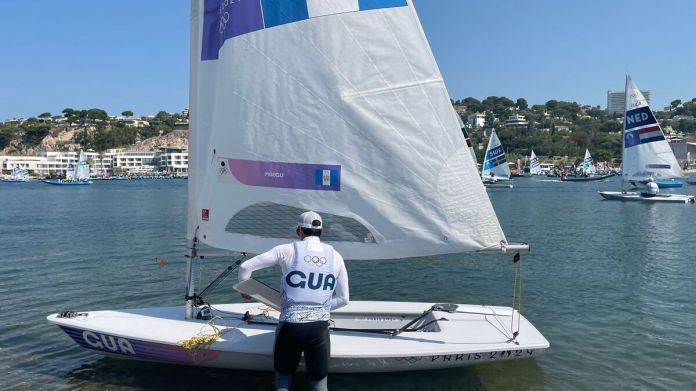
[639, 117]
[225, 19]
[277, 12]
[495, 153]
[374, 4]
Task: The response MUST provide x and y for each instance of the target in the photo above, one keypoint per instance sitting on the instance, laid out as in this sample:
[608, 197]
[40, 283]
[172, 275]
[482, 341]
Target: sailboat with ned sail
[342, 110]
[646, 153]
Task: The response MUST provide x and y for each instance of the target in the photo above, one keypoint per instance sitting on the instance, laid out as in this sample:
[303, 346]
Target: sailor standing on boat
[652, 189]
[314, 281]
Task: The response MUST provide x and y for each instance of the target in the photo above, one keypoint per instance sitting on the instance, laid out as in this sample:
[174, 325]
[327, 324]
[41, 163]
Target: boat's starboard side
[471, 335]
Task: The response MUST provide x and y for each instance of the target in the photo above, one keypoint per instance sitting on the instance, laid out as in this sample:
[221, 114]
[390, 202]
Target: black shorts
[312, 339]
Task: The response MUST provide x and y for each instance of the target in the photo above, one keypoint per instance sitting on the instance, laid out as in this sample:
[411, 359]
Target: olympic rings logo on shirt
[316, 261]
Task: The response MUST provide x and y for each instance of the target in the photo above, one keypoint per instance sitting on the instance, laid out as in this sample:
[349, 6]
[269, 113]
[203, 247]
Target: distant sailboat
[534, 166]
[588, 163]
[645, 151]
[19, 174]
[587, 171]
[342, 110]
[495, 172]
[74, 175]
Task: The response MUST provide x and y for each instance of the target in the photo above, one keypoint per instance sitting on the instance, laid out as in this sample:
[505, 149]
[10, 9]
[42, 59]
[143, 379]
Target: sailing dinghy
[338, 107]
[645, 152]
[495, 171]
[534, 165]
[19, 175]
[74, 176]
[586, 173]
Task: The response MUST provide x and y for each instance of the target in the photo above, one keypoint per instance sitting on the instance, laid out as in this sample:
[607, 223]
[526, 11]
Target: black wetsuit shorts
[310, 338]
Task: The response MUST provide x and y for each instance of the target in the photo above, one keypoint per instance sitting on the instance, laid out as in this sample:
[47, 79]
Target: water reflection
[120, 375]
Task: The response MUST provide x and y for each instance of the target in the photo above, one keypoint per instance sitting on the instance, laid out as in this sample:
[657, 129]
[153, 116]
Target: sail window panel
[272, 220]
[318, 8]
[278, 12]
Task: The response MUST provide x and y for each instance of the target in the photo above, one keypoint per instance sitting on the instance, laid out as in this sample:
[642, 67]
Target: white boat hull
[660, 198]
[472, 335]
[498, 185]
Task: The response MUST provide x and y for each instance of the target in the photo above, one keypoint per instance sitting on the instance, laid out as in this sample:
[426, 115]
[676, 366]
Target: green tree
[490, 120]
[45, 115]
[674, 104]
[34, 133]
[127, 113]
[7, 134]
[97, 114]
[522, 104]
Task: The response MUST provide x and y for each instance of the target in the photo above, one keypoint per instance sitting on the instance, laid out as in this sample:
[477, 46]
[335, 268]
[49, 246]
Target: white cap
[310, 220]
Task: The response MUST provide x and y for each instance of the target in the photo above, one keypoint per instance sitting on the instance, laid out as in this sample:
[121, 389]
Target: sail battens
[348, 95]
[345, 115]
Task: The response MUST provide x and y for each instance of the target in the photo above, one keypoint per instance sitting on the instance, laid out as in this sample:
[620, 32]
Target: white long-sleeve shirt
[284, 255]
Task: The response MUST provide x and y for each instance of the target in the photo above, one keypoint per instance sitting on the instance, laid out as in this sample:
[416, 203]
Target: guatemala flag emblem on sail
[326, 177]
[225, 19]
[641, 127]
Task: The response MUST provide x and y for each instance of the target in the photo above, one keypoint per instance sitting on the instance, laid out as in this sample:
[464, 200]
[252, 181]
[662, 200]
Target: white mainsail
[645, 149]
[587, 163]
[534, 166]
[495, 163]
[337, 107]
[70, 172]
[82, 173]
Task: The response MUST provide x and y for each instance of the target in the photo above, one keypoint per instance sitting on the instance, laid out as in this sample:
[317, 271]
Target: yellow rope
[204, 339]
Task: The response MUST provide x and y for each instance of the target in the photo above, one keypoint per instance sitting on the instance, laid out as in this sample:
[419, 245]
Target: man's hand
[245, 296]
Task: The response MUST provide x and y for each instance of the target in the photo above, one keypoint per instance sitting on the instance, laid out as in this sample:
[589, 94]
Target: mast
[623, 140]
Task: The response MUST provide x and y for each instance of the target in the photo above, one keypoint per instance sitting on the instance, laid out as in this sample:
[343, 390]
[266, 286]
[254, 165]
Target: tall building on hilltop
[617, 99]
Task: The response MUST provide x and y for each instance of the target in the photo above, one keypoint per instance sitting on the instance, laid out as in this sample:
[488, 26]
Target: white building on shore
[167, 160]
[477, 120]
[56, 163]
[516, 121]
[32, 163]
[135, 162]
[173, 161]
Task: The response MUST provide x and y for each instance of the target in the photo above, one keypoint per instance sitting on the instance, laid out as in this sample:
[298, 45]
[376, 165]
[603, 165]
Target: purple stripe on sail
[287, 175]
[227, 19]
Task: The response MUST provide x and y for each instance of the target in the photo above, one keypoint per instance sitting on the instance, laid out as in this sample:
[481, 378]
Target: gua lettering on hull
[108, 343]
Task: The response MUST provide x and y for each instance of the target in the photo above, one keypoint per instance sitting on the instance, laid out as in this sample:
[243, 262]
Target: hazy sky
[133, 54]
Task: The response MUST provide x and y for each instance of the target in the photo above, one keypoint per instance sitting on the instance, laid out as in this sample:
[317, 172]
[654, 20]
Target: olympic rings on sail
[316, 261]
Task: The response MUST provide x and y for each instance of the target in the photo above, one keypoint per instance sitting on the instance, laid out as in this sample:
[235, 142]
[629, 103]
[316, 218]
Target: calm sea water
[611, 285]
